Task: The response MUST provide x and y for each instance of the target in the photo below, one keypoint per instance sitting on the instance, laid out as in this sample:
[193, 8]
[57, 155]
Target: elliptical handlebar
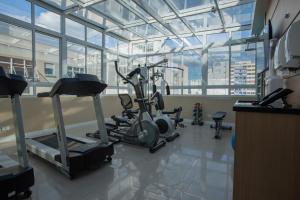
[121, 75]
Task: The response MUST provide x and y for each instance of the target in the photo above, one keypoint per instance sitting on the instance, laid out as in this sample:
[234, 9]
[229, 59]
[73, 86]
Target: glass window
[194, 41]
[111, 75]
[126, 34]
[111, 91]
[238, 15]
[16, 51]
[19, 9]
[192, 66]
[174, 76]
[260, 57]
[218, 66]
[184, 5]
[138, 48]
[218, 38]
[243, 91]
[75, 60]
[217, 91]
[185, 91]
[178, 26]
[146, 30]
[93, 62]
[89, 16]
[196, 91]
[47, 58]
[236, 35]
[123, 63]
[116, 11]
[47, 19]
[159, 6]
[123, 47]
[175, 91]
[75, 29]
[242, 69]
[111, 43]
[94, 36]
[63, 4]
[204, 21]
[171, 44]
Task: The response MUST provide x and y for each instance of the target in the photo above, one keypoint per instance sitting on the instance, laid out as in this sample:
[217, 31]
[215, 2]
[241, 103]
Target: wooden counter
[267, 155]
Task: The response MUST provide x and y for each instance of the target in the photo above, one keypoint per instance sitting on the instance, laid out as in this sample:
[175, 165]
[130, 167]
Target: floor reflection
[193, 167]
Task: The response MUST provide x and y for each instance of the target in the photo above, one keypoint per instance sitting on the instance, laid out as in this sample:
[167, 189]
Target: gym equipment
[127, 105]
[218, 117]
[16, 178]
[197, 114]
[165, 124]
[73, 154]
[142, 131]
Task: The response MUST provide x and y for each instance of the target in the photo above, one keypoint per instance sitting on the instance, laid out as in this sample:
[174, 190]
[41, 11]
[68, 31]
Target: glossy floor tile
[193, 167]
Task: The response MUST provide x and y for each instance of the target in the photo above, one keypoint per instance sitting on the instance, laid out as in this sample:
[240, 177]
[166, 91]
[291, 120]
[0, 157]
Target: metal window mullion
[63, 47]
[256, 83]
[104, 60]
[229, 72]
[33, 62]
[204, 67]
[182, 73]
[85, 48]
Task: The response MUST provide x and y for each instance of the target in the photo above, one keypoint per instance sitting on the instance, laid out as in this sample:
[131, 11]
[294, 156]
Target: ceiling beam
[220, 14]
[89, 3]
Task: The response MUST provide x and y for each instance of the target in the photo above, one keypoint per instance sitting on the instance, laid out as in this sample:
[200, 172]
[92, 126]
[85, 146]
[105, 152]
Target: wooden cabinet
[267, 155]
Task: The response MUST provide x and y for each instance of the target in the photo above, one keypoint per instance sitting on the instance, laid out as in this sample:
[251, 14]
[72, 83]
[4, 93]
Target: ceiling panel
[204, 21]
[187, 5]
[117, 11]
[238, 15]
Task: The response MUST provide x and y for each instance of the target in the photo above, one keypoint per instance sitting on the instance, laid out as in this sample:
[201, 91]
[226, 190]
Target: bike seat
[219, 115]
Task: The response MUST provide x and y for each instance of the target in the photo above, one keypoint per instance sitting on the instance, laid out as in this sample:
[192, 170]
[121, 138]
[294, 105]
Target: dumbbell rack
[197, 114]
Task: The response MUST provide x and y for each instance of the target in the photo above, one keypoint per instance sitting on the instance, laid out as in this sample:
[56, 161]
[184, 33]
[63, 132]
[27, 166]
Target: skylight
[147, 19]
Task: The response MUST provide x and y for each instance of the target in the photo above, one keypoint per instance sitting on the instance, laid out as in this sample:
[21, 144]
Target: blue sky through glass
[19, 9]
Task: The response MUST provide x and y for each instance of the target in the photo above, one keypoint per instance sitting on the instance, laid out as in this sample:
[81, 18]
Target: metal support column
[19, 128]
[100, 119]
[61, 132]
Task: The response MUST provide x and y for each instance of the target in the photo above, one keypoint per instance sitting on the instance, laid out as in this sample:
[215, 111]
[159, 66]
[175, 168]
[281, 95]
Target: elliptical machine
[143, 131]
[166, 124]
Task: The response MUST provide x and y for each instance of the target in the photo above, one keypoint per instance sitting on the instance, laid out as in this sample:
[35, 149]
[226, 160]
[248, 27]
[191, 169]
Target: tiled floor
[193, 167]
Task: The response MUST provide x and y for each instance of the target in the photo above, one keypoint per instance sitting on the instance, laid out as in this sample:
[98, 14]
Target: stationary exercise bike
[143, 130]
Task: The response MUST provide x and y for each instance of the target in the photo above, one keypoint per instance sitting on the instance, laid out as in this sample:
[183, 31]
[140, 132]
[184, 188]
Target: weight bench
[218, 117]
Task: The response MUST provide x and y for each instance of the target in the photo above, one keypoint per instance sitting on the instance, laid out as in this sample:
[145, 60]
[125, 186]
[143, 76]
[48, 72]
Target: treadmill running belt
[51, 141]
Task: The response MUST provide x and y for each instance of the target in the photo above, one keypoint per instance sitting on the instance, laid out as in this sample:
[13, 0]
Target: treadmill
[73, 154]
[16, 178]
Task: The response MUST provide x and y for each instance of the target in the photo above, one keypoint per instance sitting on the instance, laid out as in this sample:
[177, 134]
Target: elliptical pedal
[158, 146]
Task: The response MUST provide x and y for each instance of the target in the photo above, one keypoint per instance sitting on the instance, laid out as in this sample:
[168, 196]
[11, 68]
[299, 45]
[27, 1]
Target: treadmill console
[11, 84]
